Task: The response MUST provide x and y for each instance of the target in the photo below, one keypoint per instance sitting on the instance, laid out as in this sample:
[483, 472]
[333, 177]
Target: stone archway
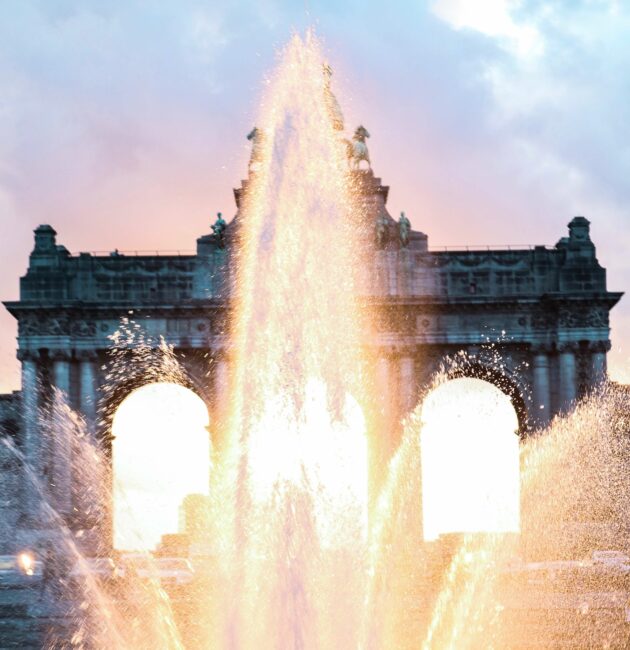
[160, 455]
[469, 458]
[503, 380]
[126, 371]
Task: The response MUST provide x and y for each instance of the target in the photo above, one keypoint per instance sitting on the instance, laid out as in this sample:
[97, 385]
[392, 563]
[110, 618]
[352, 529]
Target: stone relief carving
[591, 317]
[83, 328]
[40, 325]
[543, 321]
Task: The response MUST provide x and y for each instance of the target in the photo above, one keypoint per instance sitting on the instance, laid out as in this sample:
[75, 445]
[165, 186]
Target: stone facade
[535, 321]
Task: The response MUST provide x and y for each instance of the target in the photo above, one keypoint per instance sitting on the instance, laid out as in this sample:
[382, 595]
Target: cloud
[562, 107]
[493, 18]
[123, 123]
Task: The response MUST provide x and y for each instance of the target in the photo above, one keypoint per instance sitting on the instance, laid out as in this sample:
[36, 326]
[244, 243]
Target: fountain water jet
[297, 447]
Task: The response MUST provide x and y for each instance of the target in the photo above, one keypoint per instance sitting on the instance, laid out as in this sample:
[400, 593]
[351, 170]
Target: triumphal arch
[535, 321]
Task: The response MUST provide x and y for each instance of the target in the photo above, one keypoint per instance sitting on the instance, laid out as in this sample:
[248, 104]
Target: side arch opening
[470, 459]
[160, 456]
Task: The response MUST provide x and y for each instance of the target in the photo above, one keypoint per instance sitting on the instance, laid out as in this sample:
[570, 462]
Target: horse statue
[357, 149]
[257, 137]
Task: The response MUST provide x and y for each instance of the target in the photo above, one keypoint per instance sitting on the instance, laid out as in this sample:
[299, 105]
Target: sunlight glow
[470, 460]
[161, 453]
[321, 454]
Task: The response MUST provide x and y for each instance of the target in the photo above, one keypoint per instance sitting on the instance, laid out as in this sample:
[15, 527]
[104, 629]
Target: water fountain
[316, 542]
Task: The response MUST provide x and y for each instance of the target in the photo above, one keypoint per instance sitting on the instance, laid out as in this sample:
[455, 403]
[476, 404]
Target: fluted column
[598, 351]
[220, 400]
[568, 379]
[541, 387]
[61, 433]
[221, 382]
[407, 385]
[88, 401]
[384, 396]
[31, 445]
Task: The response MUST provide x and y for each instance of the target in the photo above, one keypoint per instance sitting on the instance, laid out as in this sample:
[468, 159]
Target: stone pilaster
[568, 375]
[88, 399]
[541, 388]
[61, 433]
[385, 385]
[598, 350]
[408, 393]
[220, 401]
[30, 501]
[221, 383]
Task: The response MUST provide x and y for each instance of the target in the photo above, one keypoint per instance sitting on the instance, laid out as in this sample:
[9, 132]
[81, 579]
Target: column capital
[28, 355]
[60, 355]
[87, 355]
[539, 349]
[599, 346]
[567, 347]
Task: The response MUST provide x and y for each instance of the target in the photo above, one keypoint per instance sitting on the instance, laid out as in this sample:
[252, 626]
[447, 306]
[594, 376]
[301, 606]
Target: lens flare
[26, 562]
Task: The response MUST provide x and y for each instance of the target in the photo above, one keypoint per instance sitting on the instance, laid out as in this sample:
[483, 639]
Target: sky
[123, 124]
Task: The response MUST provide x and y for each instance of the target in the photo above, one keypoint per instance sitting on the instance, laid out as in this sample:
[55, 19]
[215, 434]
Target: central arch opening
[160, 456]
[470, 460]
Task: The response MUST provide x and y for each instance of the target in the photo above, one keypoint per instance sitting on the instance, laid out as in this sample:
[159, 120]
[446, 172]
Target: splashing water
[541, 588]
[295, 564]
[298, 437]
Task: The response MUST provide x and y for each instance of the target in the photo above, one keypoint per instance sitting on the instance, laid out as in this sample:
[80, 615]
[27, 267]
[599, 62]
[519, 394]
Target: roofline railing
[138, 253]
[432, 249]
[476, 249]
